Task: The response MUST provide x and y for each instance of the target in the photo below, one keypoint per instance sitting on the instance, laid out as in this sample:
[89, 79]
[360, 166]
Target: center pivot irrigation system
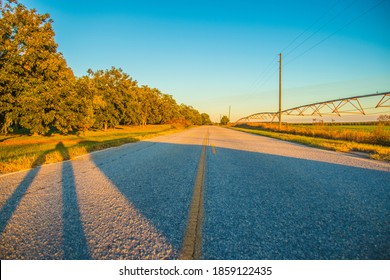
[349, 105]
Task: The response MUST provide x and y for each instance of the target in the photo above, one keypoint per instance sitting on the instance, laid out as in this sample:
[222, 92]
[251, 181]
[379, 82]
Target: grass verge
[19, 152]
[377, 152]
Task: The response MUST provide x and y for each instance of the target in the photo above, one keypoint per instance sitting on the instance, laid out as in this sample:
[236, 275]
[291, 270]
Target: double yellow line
[192, 244]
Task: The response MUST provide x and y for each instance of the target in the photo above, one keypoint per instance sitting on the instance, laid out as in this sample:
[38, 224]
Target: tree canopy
[39, 92]
[225, 120]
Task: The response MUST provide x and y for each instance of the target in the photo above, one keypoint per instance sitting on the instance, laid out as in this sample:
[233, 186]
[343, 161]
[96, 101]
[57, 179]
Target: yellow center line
[192, 244]
[213, 149]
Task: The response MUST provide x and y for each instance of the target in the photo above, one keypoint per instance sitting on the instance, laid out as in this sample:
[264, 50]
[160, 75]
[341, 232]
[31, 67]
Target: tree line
[40, 93]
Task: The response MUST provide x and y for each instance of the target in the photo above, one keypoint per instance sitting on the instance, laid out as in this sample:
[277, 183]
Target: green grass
[339, 128]
[377, 152]
[18, 152]
[378, 134]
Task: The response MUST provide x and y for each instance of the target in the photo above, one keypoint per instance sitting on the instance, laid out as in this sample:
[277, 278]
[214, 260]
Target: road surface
[204, 193]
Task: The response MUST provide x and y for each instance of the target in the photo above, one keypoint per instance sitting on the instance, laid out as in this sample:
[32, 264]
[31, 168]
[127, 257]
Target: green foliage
[205, 119]
[117, 99]
[384, 119]
[225, 120]
[109, 89]
[39, 92]
[190, 114]
[34, 77]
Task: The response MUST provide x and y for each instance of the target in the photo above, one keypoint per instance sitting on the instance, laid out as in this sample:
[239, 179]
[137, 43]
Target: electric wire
[321, 27]
[313, 24]
[265, 76]
[266, 79]
[264, 72]
[338, 30]
[344, 111]
[267, 73]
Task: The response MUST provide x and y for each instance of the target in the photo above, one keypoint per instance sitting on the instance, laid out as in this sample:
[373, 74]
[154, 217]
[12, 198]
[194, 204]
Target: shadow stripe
[75, 244]
[12, 203]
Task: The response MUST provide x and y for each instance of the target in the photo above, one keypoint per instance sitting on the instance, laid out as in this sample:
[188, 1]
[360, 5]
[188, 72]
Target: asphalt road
[260, 199]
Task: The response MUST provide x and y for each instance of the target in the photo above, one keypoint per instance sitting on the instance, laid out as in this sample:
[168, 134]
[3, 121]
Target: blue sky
[216, 54]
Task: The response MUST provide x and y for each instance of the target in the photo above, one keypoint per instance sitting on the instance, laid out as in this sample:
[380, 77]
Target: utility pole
[229, 112]
[280, 91]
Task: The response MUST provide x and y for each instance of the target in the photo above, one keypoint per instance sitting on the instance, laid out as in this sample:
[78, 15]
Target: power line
[264, 77]
[322, 27]
[338, 30]
[267, 78]
[266, 74]
[314, 23]
[263, 73]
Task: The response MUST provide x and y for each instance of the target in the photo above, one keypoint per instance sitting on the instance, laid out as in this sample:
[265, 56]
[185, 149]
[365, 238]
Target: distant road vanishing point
[204, 193]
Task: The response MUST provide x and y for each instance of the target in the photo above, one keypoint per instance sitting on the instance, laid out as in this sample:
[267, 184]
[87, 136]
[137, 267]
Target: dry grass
[18, 152]
[369, 134]
[374, 151]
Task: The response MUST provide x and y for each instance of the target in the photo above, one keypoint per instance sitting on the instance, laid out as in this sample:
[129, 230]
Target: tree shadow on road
[74, 240]
[12, 203]
[257, 205]
[159, 183]
[75, 243]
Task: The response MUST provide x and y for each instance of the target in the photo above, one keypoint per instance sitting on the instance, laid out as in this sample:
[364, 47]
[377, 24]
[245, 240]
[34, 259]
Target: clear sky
[216, 54]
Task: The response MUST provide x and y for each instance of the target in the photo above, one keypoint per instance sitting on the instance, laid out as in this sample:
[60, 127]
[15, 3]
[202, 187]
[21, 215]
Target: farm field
[18, 152]
[343, 127]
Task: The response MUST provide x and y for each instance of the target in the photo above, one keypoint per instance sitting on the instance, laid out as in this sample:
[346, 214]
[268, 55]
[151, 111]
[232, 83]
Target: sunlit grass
[374, 151]
[18, 152]
[378, 134]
